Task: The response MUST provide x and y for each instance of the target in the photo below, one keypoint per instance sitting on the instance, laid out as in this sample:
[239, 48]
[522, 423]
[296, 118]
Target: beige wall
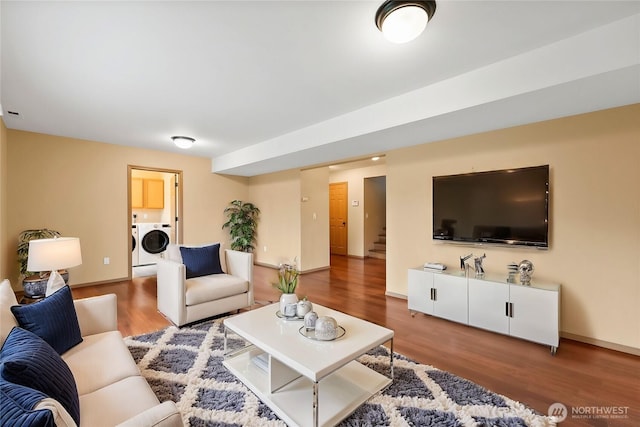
[355, 182]
[314, 218]
[294, 218]
[594, 214]
[4, 268]
[277, 195]
[80, 189]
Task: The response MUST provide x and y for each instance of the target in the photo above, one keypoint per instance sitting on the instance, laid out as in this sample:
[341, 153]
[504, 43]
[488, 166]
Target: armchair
[184, 300]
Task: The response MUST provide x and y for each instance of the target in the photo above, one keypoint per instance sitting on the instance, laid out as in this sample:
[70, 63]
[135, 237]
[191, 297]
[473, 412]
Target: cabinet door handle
[508, 309]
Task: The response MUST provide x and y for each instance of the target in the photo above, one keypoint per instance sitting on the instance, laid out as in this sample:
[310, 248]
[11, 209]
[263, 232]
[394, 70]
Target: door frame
[178, 205]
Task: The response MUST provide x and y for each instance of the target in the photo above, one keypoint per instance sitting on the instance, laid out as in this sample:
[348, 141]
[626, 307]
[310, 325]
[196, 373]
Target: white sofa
[185, 301]
[111, 390]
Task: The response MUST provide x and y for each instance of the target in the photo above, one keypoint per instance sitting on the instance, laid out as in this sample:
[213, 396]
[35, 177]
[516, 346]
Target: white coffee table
[306, 382]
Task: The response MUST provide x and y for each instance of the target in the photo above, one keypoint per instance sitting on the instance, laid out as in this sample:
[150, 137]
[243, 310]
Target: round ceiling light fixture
[403, 21]
[183, 142]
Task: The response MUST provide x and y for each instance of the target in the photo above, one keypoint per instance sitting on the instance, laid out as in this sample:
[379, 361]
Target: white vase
[286, 299]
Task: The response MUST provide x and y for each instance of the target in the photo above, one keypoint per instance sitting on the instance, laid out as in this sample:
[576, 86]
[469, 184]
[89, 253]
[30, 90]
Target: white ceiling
[271, 85]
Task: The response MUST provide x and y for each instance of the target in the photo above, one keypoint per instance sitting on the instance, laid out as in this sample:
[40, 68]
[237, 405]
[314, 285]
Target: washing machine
[135, 260]
[153, 241]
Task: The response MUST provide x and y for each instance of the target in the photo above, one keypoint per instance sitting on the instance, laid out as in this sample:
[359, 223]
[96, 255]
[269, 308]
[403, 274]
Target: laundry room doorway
[154, 212]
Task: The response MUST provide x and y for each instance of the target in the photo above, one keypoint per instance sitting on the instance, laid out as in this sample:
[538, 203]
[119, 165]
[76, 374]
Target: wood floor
[580, 376]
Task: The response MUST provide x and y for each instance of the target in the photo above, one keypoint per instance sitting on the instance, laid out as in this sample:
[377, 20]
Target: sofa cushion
[100, 360]
[117, 402]
[201, 261]
[17, 406]
[210, 288]
[53, 319]
[7, 300]
[26, 359]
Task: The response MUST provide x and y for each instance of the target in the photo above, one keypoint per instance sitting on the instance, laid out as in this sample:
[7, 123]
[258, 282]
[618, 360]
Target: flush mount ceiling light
[183, 141]
[403, 21]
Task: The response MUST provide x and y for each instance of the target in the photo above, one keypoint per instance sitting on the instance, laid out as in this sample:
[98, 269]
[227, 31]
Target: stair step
[373, 253]
[380, 246]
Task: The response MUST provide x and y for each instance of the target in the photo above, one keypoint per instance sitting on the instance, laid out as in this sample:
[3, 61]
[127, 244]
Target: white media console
[528, 312]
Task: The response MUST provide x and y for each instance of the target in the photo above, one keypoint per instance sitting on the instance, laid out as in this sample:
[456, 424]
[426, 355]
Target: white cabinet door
[451, 297]
[488, 305]
[419, 296]
[534, 314]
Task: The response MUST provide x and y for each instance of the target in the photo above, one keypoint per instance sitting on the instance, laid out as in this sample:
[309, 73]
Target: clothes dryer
[135, 247]
[154, 239]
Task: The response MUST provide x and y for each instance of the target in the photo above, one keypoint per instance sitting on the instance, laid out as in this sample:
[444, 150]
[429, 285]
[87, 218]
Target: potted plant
[242, 222]
[35, 286]
[287, 283]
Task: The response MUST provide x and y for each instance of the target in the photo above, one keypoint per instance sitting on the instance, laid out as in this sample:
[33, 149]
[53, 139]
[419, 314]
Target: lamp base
[35, 286]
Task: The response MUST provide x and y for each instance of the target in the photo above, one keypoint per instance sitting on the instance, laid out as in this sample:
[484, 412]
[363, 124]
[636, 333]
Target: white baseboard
[601, 343]
[395, 295]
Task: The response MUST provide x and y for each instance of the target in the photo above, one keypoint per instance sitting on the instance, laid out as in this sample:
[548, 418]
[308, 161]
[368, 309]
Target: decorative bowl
[326, 328]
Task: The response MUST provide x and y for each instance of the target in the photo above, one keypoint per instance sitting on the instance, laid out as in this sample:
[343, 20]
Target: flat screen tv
[507, 207]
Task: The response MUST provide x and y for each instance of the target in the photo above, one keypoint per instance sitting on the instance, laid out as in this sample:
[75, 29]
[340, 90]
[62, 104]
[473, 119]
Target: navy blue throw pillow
[16, 407]
[201, 261]
[53, 319]
[27, 360]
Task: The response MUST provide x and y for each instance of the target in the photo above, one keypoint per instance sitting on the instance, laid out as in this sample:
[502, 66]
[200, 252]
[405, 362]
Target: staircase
[379, 249]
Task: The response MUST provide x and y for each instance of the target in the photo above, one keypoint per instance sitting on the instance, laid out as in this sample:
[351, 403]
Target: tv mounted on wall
[507, 207]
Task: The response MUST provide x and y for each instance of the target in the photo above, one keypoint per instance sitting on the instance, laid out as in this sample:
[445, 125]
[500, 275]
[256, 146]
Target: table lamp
[52, 255]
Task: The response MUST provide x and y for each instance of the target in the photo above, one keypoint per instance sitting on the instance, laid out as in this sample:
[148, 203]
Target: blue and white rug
[185, 365]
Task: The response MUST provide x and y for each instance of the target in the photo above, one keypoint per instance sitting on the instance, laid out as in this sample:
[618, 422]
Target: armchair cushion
[28, 360]
[18, 406]
[53, 319]
[210, 288]
[201, 261]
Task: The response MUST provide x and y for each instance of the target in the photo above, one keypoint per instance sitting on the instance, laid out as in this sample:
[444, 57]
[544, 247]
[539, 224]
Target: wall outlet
[264, 248]
[106, 260]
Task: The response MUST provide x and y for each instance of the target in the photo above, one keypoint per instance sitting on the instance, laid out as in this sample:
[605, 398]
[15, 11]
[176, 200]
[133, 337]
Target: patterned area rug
[185, 365]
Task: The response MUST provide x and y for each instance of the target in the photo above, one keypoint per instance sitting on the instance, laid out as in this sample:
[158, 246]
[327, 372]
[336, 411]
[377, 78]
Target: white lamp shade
[404, 24]
[54, 254]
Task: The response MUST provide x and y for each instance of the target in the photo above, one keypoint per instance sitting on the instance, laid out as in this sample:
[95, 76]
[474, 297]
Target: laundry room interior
[153, 218]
